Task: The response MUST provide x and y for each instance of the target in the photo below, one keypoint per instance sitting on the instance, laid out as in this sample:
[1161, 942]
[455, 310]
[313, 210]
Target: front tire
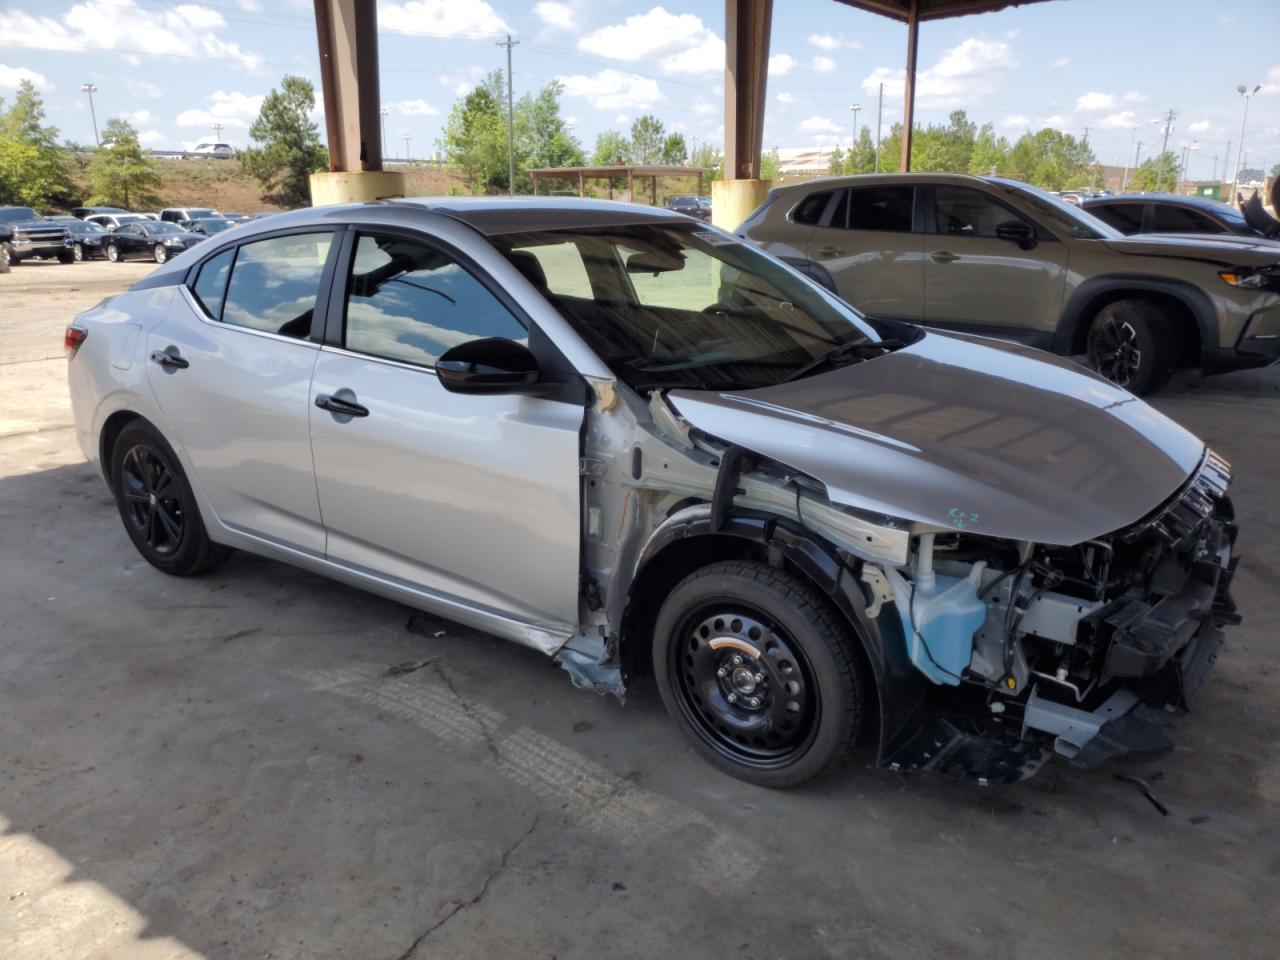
[160, 253]
[1130, 345]
[157, 506]
[758, 671]
[77, 253]
[113, 253]
[67, 256]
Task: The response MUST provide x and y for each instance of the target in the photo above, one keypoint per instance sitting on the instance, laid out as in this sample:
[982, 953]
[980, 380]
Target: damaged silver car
[639, 445]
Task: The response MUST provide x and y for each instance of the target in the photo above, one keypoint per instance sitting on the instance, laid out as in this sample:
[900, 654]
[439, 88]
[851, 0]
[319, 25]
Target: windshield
[128, 217]
[212, 224]
[18, 214]
[683, 306]
[157, 227]
[199, 213]
[1057, 214]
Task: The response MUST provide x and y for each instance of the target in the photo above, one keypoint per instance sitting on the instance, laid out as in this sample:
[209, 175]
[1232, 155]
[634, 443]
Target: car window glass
[690, 282]
[274, 284]
[561, 261]
[211, 283]
[881, 208]
[809, 210]
[1170, 219]
[962, 212]
[409, 302]
[1125, 217]
[840, 215]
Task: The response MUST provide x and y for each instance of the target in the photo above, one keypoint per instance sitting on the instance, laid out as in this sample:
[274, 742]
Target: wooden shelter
[632, 172]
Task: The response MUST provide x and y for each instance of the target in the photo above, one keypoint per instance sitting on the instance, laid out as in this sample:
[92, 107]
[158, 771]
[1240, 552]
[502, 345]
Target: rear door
[975, 280]
[231, 369]
[1171, 218]
[868, 242]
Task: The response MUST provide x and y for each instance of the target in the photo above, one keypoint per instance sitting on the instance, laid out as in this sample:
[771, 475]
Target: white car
[221, 151]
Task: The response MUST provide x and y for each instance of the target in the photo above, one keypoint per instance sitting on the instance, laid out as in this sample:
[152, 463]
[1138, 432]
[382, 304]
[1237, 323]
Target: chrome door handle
[829, 251]
[945, 256]
[171, 361]
[344, 408]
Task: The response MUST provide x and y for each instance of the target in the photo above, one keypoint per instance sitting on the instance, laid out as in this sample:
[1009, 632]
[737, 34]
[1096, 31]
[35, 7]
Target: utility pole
[1226, 158]
[879, 115]
[91, 89]
[407, 138]
[217, 130]
[1164, 147]
[1086, 136]
[383, 113]
[855, 108]
[511, 144]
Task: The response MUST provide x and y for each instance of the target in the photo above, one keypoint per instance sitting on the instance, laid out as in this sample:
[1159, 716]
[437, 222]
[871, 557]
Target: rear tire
[160, 254]
[113, 253]
[157, 505]
[77, 253]
[758, 671]
[67, 256]
[1130, 345]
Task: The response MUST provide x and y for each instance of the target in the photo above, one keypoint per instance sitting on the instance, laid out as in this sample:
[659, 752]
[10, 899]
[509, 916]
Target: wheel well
[107, 441]
[1185, 329]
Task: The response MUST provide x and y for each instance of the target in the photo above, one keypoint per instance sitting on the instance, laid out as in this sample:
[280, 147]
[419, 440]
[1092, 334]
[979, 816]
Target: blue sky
[175, 70]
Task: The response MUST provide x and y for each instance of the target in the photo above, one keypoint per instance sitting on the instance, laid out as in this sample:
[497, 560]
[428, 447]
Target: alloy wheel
[161, 254]
[113, 252]
[1115, 351]
[152, 499]
[77, 251]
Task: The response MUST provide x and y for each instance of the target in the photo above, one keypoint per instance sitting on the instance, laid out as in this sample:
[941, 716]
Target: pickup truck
[24, 233]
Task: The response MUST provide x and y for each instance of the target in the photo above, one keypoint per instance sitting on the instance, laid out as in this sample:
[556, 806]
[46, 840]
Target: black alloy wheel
[1130, 344]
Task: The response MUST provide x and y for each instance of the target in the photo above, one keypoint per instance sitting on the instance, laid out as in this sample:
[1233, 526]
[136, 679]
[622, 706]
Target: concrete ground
[227, 767]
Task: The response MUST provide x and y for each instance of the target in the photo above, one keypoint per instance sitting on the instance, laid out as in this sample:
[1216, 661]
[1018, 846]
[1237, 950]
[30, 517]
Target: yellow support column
[732, 200]
[353, 186]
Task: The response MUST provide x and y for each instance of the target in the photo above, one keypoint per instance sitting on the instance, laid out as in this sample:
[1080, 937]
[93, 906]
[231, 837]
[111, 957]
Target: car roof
[493, 216]
[883, 179]
[1200, 203]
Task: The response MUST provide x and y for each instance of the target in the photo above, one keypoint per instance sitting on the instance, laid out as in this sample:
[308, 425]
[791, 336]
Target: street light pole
[511, 143]
[855, 108]
[1235, 174]
[1124, 179]
[217, 130]
[91, 89]
[407, 138]
[879, 116]
[383, 113]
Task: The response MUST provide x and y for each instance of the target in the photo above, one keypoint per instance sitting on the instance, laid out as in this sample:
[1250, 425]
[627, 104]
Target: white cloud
[785, 97]
[10, 77]
[1134, 96]
[824, 64]
[413, 108]
[1058, 121]
[184, 31]
[149, 138]
[441, 18]
[232, 110]
[1014, 121]
[781, 64]
[820, 125]
[1061, 62]
[677, 43]
[622, 120]
[825, 41]
[614, 90]
[463, 81]
[1200, 126]
[1273, 81]
[1118, 121]
[140, 88]
[966, 74]
[141, 118]
[1095, 101]
[703, 107]
[557, 15]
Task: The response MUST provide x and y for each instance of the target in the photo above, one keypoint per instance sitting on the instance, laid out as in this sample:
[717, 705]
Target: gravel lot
[224, 767]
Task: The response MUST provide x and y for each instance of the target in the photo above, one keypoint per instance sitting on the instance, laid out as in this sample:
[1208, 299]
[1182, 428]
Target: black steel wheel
[156, 504]
[1129, 345]
[757, 670]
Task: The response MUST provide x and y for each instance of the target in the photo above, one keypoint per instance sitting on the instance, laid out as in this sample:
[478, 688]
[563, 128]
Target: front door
[976, 280]
[473, 498]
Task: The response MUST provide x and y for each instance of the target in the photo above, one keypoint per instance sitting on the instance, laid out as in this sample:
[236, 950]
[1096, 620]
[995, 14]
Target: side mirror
[1017, 232]
[491, 365]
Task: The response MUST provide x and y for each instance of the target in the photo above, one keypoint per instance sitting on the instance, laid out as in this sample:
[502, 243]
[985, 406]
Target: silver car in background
[638, 444]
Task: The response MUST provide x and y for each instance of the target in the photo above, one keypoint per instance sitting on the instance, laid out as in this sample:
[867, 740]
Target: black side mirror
[1017, 232]
[491, 365]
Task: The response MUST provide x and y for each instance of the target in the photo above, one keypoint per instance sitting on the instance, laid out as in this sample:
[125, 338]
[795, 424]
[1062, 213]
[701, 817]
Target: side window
[1170, 219]
[809, 210]
[274, 284]
[881, 208]
[211, 283]
[1125, 217]
[840, 215]
[408, 302]
[554, 267]
[963, 212]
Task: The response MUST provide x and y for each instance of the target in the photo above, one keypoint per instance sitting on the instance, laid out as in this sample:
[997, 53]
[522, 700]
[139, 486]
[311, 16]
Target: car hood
[1228, 251]
[965, 432]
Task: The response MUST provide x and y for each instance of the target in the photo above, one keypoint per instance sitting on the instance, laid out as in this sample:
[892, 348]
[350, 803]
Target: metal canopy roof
[932, 9]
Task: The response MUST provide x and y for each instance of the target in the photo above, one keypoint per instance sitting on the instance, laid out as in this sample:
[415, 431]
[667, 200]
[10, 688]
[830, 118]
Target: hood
[1239, 240]
[1228, 251]
[965, 432]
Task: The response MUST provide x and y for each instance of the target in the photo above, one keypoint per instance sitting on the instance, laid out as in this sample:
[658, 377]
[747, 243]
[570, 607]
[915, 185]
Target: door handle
[945, 256]
[344, 408]
[829, 251]
[171, 361]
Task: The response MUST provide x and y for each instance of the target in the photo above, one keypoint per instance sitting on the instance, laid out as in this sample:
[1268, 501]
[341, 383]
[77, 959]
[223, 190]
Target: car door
[472, 498]
[868, 243]
[129, 240]
[976, 279]
[1171, 218]
[231, 369]
[1126, 216]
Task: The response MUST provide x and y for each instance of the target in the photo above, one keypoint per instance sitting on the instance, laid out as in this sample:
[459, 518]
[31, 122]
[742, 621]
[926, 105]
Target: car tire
[67, 256]
[113, 253]
[157, 505]
[159, 253]
[77, 253]
[1130, 345]
[6, 256]
[759, 672]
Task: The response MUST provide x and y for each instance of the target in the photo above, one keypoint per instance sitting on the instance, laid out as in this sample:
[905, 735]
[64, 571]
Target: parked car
[236, 217]
[182, 215]
[148, 239]
[696, 207]
[1004, 259]
[81, 212]
[152, 216]
[208, 226]
[113, 220]
[24, 234]
[654, 448]
[86, 237]
[218, 151]
[1169, 213]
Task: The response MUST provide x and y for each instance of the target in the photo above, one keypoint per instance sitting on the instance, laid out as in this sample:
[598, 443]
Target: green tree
[1051, 159]
[611, 148]
[1275, 170]
[836, 162]
[769, 164]
[647, 135]
[708, 158]
[990, 153]
[891, 150]
[1156, 173]
[675, 152]
[862, 155]
[121, 175]
[542, 139]
[289, 148]
[33, 169]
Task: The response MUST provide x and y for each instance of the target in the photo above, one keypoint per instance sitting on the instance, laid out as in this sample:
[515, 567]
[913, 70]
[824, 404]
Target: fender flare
[1080, 309]
[900, 688]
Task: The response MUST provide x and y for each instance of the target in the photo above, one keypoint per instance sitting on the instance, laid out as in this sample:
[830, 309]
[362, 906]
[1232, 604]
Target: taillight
[72, 339]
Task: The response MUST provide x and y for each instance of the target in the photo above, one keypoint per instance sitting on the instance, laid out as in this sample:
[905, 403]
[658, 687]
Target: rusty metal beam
[347, 33]
[909, 93]
[747, 29]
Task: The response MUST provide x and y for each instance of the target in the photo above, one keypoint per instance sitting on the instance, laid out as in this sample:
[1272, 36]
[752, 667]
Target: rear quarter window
[809, 210]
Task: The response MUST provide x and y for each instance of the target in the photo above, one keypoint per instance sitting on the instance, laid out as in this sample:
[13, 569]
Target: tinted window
[1125, 217]
[1170, 219]
[881, 208]
[962, 212]
[211, 283]
[809, 210]
[274, 284]
[559, 268]
[408, 302]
